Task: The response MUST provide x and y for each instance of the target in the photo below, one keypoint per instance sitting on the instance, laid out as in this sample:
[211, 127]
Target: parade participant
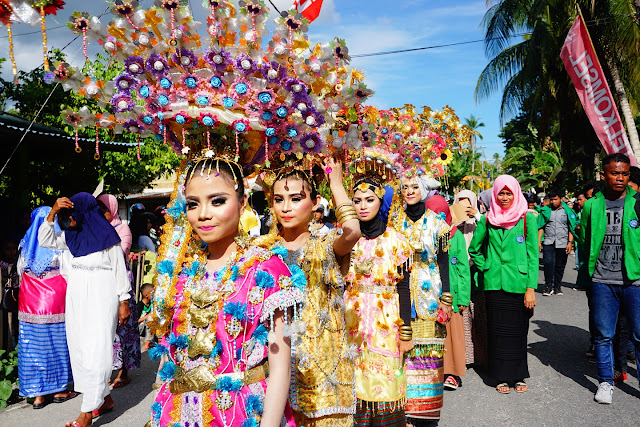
[322, 384]
[611, 244]
[126, 346]
[460, 288]
[428, 235]
[378, 310]
[222, 317]
[557, 224]
[505, 249]
[43, 357]
[475, 316]
[92, 263]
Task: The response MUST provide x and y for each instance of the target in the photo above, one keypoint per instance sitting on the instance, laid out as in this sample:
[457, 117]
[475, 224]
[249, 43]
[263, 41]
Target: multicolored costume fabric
[43, 357]
[424, 364]
[219, 324]
[322, 386]
[373, 320]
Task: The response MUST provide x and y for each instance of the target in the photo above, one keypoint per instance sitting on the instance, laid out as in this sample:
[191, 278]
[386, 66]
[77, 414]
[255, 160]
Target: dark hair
[615, 158]
[231, 172]
[531, 198]
[635, 175]
[299, 175]
[330, 218]
[145, 286]
[554, 193]
[138, 224]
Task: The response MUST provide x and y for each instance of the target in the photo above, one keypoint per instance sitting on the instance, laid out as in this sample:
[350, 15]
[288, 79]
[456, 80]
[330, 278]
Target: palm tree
[474, 123]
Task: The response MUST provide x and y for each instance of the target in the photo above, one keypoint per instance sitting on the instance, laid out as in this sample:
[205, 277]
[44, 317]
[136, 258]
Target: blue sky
[435, 77]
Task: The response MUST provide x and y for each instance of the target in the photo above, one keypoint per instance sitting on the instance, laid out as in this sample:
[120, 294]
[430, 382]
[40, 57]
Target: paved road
[562, 383]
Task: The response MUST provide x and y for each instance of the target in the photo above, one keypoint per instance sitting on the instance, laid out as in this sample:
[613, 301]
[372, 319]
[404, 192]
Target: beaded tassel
[164, 134]
[44, 39]
[237, 149]
[78, 149]
[14, 69]
[84, 43]
[97, 154]
[267, 163]
[138, 147]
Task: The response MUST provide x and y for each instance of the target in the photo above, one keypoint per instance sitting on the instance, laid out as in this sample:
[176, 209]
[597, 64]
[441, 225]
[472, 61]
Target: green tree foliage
[33, 181]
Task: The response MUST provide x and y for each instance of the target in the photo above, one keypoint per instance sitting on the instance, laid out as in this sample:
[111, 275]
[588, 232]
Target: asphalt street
[561, 386]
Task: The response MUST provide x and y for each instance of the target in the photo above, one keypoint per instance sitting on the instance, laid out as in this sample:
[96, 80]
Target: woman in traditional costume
[428, 235]
[220, 311]
[454, 362]
[43, 356]
[378, 310]
[322, 385]
[505, 249]
[92, 263]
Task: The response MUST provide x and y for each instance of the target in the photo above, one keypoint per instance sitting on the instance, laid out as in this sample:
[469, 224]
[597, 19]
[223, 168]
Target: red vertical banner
[582, 64]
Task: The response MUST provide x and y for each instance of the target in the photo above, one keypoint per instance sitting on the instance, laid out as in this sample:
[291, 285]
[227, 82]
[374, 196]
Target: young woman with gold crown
[428, 234]
[222, 307]
[377, 297]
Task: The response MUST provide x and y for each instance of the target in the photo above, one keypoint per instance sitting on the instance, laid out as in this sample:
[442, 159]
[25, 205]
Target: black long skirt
[507, 328]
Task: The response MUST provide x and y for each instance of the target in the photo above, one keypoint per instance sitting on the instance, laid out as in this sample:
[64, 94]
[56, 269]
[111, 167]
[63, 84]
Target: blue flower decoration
[190, 82]
[144, 91]
[253, 405]
[165, 83]
[433, 267]
[217, 349]
[181, 119]
[167, 371]
[147, 120]
[250, 422]
[270, 131]
[286, 145]
[202, 100]
[228, 384]
[281, 112]
[208, 121]
[177, 208]
[433, 306]
[165, 267]
[264, 280]
[228, 102]
[192, 269]
[241, 127]
[265, 97]
[163, 100]
[157, 351]
[236, 309]
[292, 132]
[260, 334]
[234, 273]
[426, 285]
[156, 411]
[441, 216]
[241, 88]
[215, 82]
[267, 115]
[298, 278]
[273, 140]
[180, 341]
[385, 131]
[280, 251]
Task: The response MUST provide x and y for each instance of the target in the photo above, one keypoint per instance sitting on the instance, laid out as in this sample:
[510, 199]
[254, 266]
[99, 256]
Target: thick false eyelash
[218, 201]
[191, 205]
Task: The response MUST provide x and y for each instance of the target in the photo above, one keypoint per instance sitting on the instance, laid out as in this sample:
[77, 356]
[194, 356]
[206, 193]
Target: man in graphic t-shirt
[610, 231]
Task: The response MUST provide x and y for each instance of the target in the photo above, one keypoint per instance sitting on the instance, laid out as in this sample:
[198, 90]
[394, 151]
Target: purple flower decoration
[311, 142]
[296, 87]
[125, 82]
[274, 72]
[157, 65]
[245, 64]
[218, 60]
[186, 59]
[132, 126]
[122, 102]
[312, 118]
[134, 65]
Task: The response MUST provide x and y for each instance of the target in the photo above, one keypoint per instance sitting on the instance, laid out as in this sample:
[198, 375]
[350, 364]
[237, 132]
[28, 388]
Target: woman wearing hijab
[460, 287]
[92, 263]
[475, 317]
[126, 346]
[378, 312]
[428, 235]
[43, 357]
[505, 249]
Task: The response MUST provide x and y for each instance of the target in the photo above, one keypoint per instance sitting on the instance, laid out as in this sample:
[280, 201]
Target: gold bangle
[342, 205]
[405, 338]
[344, 212]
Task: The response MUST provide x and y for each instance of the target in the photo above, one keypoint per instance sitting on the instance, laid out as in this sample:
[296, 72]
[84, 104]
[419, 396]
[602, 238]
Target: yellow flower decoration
[445, 157]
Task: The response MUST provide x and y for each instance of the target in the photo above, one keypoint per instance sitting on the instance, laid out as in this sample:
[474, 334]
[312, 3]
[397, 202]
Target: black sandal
[70, 395]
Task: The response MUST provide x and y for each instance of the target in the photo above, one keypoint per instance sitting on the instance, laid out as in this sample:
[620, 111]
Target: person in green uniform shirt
[460, 289]
[505, 250]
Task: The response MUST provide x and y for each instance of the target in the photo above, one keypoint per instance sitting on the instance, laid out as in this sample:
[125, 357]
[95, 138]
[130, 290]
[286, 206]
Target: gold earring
[242, 239]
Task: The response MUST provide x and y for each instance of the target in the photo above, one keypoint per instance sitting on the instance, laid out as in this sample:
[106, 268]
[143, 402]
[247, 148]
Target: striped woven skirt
[43, 359]
[379, 414]
[424, 371]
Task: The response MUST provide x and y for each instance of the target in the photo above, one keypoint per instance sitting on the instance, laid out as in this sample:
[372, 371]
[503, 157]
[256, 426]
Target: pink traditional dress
[373, 321]
[217, 326]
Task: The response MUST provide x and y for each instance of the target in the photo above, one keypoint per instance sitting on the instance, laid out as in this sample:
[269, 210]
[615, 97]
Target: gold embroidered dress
[373, 316]
[322, 389]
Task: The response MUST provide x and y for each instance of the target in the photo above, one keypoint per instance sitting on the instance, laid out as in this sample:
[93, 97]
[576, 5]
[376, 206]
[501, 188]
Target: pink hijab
[507, 218]
[122, 229]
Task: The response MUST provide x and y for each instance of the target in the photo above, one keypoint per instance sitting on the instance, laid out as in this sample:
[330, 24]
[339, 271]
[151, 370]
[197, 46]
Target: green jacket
[459, 273]
[593, 229]
[572, 218]
[507, 258]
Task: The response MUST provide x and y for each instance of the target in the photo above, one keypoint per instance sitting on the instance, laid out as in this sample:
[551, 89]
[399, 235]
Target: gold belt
[201, 379]
[373, 289]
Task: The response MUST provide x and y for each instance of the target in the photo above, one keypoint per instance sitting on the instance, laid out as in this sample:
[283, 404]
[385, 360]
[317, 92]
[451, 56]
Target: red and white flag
[310, 9]
[582, 64]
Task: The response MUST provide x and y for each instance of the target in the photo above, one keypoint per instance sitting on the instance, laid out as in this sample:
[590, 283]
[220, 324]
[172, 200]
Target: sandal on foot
[521, 387]
[73, 423]
[503, 388]
[119, 383]
[451, 383]
[70, 395]
[45, 402]
[100, 411]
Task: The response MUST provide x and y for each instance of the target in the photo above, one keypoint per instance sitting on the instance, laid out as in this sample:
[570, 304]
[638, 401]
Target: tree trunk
[626, 110]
